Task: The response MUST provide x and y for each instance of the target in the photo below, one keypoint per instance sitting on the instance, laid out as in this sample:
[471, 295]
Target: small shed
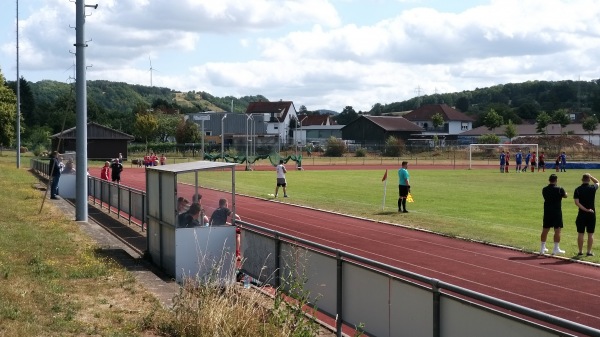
[104, 143]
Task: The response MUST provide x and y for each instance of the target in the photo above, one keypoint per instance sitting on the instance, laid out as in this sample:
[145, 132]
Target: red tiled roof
[426, 112]
[279, 108]
[308, 120]
[394, 123]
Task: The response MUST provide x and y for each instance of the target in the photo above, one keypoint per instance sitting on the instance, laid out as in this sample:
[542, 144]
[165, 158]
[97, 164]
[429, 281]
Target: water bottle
[246, 281]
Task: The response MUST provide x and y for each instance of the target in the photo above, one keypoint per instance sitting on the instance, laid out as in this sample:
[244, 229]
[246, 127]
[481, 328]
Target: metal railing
[346, 283]
[124, 201]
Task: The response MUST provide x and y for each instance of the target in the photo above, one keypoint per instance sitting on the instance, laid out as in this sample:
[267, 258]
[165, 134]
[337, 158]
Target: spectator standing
[120, 158]
[116, 169]
[105, 171]
[585, 198]
[163, 159]
[553, 195]
[54, 174]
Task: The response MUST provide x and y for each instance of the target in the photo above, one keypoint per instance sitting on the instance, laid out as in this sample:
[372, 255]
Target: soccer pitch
[480, 204]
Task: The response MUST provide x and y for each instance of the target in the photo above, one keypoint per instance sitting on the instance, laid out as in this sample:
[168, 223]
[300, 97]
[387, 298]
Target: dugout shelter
[188, 252]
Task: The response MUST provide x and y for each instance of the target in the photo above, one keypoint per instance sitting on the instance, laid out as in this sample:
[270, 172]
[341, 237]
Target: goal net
[479, 153]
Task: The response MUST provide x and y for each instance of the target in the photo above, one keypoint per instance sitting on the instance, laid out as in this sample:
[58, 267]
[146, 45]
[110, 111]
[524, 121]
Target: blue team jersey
[502, 159]
[519, 157]
[563, 158]
[528, 157]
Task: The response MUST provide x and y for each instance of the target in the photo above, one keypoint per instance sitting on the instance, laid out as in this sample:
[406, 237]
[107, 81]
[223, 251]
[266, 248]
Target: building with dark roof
[103, 143]
[455, 121]
[376, 129]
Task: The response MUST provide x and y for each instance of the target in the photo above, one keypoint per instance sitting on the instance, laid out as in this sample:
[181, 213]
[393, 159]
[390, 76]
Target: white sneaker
[545, 250]
[557, 251]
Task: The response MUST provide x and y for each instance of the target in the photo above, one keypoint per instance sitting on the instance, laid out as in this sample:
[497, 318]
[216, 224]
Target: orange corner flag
[384, 176]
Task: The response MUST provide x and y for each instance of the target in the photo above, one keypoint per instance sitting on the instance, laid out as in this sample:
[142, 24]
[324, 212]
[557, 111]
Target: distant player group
[560, 163]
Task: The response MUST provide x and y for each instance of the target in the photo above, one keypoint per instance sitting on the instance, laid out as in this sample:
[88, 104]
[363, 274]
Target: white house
[281, 118]
[455, 122]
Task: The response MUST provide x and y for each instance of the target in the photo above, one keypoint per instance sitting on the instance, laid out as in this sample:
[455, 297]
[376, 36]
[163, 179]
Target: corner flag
[384, 189]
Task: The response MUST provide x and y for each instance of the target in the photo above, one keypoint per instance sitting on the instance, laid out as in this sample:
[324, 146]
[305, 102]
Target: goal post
[499, 147]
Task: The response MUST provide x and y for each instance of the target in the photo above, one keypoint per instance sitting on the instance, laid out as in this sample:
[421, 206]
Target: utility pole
[81, 179]
[18, 127]
[418, 92]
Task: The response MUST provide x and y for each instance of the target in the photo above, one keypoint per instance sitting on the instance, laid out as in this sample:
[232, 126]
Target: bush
[23, 149]
[335, 147]
[394, 147]
[360, 152]
[489, 139]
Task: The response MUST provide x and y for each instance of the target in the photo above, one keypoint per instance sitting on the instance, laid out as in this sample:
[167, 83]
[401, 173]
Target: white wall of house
[456, 127]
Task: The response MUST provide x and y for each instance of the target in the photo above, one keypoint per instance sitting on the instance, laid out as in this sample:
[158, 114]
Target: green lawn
[477, 204]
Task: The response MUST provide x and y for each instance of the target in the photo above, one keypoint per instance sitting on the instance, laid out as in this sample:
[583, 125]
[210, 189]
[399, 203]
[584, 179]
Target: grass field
[480, 204]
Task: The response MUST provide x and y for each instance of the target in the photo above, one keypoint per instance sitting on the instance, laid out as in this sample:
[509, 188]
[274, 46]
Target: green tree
[8, 113]
[492, 120]
[561, 117]
[346, 116]
[462, 104]
[542, 120]
[187, 132]
[303, 110]
[589, 125]
[489, 138]
[510, 131]
[437, 120]
[145, 127]
[167, 126]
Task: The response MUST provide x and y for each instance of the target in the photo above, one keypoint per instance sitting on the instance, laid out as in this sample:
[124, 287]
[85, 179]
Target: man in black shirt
[220, 215]
[190, 217]
[585, 196]
[553, 195]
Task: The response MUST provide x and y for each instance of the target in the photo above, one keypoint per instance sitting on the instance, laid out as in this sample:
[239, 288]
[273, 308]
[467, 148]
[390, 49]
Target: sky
[323, 54]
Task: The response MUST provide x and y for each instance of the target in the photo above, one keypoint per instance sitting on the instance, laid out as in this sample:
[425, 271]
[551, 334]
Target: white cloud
[299, 49]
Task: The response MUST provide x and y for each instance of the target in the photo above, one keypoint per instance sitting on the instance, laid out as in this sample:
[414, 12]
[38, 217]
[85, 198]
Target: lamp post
[298, 135]
[248, 118]
[223, 137]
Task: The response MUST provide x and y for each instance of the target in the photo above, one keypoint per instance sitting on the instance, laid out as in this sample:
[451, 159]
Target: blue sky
[319, 53]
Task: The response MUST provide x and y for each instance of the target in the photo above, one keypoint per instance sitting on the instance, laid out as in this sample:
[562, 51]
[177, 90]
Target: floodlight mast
[81, 179]
[18, 127]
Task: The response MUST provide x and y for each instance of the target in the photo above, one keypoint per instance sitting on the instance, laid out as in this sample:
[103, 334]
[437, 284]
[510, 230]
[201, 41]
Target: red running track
[559, 287]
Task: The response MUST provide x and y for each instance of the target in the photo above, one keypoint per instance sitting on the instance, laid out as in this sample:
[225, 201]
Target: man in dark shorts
[585, 197]
[403, 186]
[116, 169]
[281, 171]
[553, 195]
[542, 162]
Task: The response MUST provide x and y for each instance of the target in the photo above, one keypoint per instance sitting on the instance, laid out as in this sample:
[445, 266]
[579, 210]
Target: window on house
[208, 133]
[464, 126]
